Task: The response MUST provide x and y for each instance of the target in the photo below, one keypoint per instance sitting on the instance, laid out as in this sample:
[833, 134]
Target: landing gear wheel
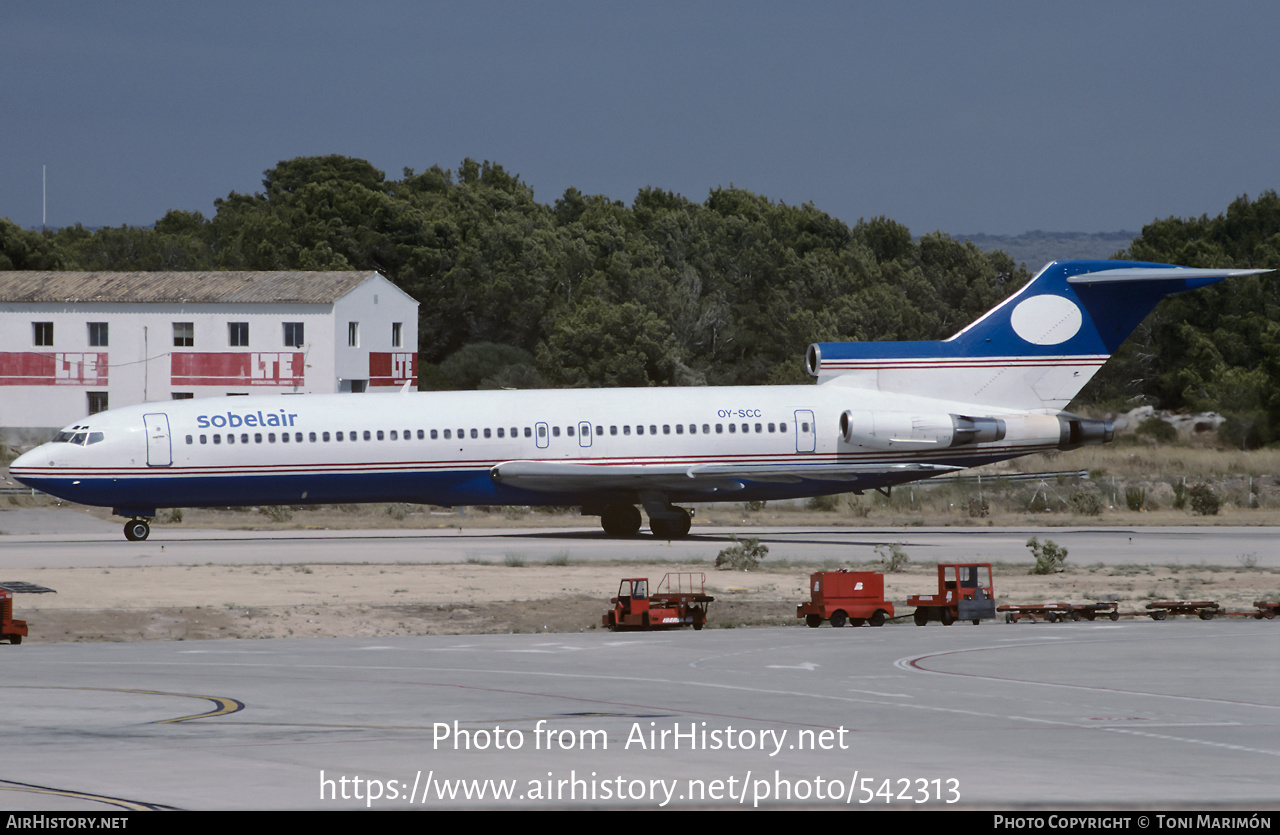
[921, 617]
[136, 530]
[620, 520]
[838, 619]
[877, 619]
[813, 621]
[677, 528]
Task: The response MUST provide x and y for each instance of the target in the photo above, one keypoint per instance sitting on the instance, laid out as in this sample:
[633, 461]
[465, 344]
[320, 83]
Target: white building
[72, 344]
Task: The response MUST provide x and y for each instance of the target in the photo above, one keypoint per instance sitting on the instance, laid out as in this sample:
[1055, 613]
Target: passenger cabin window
[97, 334]
[184, 334]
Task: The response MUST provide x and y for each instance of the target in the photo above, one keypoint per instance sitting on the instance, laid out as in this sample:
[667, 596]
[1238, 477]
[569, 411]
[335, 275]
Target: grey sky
[965, 117]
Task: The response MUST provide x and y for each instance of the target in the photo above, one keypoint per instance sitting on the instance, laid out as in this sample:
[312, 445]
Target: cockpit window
[79, 438]
[94, 438]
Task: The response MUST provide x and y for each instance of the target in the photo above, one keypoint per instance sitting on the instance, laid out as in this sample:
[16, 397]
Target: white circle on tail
[1046, 320]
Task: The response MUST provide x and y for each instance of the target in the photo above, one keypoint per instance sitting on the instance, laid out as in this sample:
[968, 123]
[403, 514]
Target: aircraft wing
[551, 476]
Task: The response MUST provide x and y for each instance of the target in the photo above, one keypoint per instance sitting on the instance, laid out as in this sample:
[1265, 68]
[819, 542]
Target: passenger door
[806, 432]
[159, 446]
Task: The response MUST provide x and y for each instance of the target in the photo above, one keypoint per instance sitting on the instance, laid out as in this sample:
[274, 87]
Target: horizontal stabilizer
[1159, 274]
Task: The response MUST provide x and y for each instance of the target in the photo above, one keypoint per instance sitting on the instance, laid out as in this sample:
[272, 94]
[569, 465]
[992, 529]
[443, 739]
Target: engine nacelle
[906, 431]
[1075, 431]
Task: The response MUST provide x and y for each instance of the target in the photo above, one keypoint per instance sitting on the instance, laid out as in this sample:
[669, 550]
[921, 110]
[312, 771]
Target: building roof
[181, 288]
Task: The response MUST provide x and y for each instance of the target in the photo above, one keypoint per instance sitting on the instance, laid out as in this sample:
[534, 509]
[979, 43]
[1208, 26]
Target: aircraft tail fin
[1033, 351]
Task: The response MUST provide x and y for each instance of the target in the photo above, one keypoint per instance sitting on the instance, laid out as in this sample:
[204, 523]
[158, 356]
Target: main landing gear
[624, 520]
[620, 520]
[669, 527]
[136, 530]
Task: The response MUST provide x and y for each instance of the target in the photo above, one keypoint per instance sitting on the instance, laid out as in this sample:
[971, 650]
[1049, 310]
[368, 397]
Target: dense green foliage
[588, 291]
[1217, 348]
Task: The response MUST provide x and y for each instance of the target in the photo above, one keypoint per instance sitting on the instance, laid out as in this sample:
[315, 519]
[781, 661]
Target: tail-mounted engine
[901, 430]
[1075, 431]
[906, 431]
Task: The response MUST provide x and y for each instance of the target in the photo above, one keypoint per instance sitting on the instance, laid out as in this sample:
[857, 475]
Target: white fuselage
[440, 447]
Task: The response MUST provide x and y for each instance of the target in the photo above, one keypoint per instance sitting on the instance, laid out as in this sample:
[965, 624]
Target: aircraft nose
[35, 458]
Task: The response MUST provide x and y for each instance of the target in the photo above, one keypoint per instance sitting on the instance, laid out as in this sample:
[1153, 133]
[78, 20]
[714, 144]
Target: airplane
[880, 414]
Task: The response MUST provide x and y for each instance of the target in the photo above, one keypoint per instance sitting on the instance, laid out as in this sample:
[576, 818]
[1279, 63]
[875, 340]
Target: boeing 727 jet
[880, 414]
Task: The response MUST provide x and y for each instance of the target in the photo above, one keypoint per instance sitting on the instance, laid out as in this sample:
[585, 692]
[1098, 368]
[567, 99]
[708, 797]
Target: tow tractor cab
[680, 600]
[965, 592]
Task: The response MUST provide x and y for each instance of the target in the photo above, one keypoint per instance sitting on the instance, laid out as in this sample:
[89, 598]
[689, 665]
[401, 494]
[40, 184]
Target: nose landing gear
[136, 530]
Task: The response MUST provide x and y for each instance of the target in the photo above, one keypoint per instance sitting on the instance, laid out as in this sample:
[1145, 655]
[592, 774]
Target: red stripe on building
[238, 369]
[393, 369]
[27, 368]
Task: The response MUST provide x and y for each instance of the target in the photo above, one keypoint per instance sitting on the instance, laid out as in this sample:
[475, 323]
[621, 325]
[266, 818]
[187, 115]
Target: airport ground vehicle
[965, 592]
[855, 597]
[679, 600]
[12, 630]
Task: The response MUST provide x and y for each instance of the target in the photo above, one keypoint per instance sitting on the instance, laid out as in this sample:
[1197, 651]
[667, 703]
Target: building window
[97, 334]
[43, 334]
[395, 335]
[353, 334]
[238, 334]
[182, 395]
[293, 335]
[358, 386]
[97, 402]
[184, 334]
